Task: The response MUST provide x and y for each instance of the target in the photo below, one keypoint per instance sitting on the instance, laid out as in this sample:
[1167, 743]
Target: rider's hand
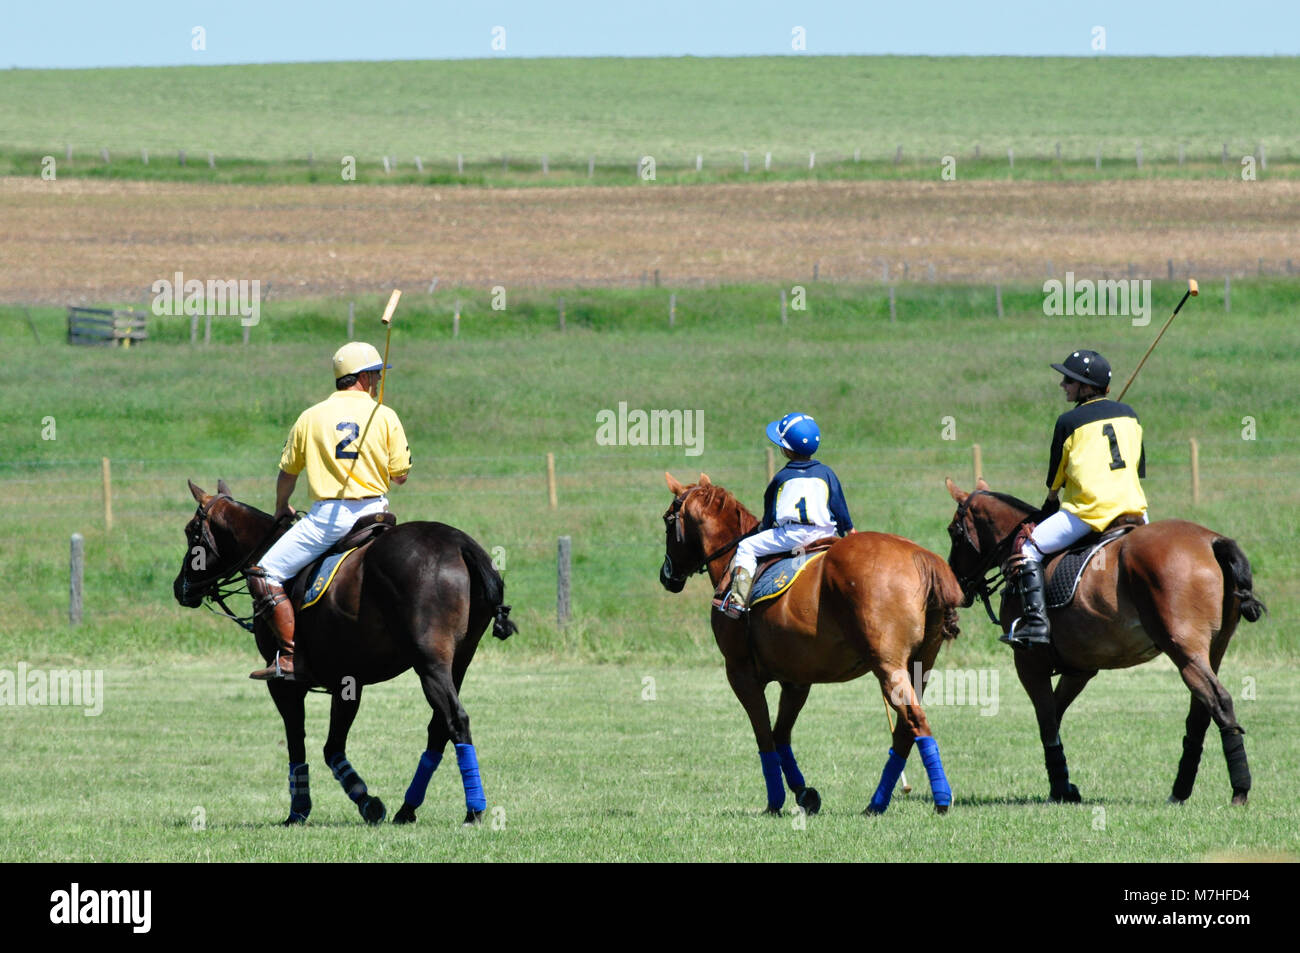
[285, 512]
[1050, 505]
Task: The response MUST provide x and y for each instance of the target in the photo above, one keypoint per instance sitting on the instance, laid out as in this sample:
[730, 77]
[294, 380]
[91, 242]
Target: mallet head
[392, 306]
[1191, 286]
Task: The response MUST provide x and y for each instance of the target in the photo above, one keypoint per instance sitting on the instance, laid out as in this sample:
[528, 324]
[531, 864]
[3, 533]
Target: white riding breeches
[1054, 534]
[780, 539]
[321, 527]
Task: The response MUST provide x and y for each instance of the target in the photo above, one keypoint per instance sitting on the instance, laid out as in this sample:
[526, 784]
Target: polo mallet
[1192, 291]
[383, 371]
[889, 720]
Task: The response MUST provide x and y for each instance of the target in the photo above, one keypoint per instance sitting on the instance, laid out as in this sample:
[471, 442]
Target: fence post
[77, 569]
[194, 329]
[1196, 473]
[1011, 158]
[563, 566]
[892, 312]
[352, 314]
[460, 164]
[108, 497]
[997, 292]
[1227, 293]
[978, 461]
[672, 309]
[656, 277]
[455, 321]
[771, 464]
[546, 164]
[550, 479]
[246, 330]
[767, 162]
[561, 314]
[783, 317]
[745, 159]
[207, 329]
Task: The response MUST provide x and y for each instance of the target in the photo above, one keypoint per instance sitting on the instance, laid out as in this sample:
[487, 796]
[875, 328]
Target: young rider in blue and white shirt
[804, 502]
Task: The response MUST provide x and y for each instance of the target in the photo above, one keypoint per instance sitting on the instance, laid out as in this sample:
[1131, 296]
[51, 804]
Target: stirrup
[1015, 638]
[273, 671]
[731, 607]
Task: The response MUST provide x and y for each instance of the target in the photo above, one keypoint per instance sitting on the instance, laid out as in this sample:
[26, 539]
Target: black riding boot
[1031, 628]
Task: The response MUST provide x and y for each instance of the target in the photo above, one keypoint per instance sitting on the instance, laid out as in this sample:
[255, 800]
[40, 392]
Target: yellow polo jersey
[327, 439]
[1097, 458]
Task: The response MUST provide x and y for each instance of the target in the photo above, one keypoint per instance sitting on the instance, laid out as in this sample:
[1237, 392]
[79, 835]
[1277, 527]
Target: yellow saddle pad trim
[789, 582]
[325, 588]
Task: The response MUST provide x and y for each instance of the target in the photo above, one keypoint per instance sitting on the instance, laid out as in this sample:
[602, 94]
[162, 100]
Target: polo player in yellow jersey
[347, 433]
[1097, 458]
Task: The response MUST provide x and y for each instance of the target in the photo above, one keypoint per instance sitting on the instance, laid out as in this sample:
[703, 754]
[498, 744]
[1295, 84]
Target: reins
[991, 577]
[674, 518]
[222, 592]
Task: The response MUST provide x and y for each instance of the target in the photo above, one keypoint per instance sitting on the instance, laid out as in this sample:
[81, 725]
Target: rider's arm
[284, 485]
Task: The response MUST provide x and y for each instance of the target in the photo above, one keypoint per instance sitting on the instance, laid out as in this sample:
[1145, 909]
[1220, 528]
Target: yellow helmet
[355, 357]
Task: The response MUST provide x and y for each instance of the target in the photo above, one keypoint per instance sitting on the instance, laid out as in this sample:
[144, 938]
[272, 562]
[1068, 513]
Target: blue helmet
[796, 432]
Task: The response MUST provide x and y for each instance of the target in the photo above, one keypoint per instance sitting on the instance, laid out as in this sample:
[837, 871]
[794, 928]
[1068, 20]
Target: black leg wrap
[1058, 774]
[348, 778]
[1234, 750]
[1187, 767]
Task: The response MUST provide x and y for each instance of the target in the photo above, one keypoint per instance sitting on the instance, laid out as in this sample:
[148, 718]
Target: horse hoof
[873, 812]
[771, 811]
[1239, 800]
[1070, 796]
[294, 819]
[941, 809]
[473, 819]
[809, 800]
[1174, 799]
[405, 816]
[373, 810]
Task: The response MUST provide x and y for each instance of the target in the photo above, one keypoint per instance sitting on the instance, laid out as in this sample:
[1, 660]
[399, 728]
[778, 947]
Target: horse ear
[981, 485]
[674, 487]
[199, 495]
[222, 489]
[956, 494]
[704, 480]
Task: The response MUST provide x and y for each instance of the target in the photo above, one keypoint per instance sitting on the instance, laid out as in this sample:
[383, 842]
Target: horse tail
[1237, 577]
[487, 587]
[944, 593]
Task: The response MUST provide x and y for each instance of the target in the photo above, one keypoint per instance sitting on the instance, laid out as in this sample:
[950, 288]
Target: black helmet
[1086, 367]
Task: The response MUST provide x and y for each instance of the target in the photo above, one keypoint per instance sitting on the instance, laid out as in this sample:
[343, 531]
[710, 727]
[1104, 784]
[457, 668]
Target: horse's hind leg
[912, 727]
[1214, 699]
[343, 711]
[440, 690]
[429, 761]
[792, 702]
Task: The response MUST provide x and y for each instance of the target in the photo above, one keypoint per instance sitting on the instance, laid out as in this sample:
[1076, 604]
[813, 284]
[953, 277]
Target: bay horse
[873, 603]
[1170, 587]
[419, 595]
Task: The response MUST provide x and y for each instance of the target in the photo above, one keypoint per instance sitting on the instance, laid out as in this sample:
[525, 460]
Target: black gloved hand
[1050, 506]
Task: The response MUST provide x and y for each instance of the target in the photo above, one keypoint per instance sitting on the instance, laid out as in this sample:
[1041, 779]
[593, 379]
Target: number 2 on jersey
[354, 431]
[1116, 461]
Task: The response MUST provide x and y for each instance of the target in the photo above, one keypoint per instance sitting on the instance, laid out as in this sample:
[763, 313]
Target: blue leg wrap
[793, 776]
[888, 778]
[929, 749]
[347, 776]
[771, 762]
[429, 762]
[299, 791]
[467, 759]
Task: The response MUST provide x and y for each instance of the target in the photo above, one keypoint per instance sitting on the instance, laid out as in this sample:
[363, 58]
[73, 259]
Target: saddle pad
[1067, 570]
[778, 577]
[324, 576]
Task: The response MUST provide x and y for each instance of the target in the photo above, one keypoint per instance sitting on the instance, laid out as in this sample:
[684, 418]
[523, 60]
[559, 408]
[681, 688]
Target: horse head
[219, 538]
[701, 517]
[985, 522]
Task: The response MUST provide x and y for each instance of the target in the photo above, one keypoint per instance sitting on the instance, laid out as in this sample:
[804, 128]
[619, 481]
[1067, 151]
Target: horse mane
[1012, 501]
[719, 497]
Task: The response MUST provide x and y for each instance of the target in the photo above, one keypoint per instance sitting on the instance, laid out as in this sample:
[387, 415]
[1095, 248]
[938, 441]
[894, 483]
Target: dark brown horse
[874, 603]
[1169, 586]
[418, 596]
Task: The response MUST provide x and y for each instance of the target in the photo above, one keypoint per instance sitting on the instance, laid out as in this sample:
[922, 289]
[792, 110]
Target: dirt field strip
[79, 240]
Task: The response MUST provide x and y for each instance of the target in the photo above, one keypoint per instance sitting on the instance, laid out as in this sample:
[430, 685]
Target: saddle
[1063, 571]
[776, 573]
[306, 587]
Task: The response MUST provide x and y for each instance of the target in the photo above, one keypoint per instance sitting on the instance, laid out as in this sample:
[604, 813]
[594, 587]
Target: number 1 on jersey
[802, 507]
[1116, 461]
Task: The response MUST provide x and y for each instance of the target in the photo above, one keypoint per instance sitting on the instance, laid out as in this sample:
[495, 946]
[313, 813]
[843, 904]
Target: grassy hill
[674, 109]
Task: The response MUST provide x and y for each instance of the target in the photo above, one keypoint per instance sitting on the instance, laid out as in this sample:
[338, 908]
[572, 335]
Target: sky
[88, 33]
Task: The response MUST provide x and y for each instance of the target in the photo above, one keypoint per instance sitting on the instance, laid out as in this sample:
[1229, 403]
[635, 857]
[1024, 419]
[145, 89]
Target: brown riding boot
[270, 598]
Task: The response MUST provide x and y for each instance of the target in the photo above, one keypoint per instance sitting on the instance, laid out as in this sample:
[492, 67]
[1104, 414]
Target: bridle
[990, 576]
[215, 588]
[674, 521]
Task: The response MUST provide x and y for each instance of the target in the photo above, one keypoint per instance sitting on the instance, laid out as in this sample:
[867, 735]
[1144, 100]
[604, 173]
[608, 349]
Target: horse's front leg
[1035, 674]
[792, 702]
[343, 710]
[288, 698]
[749, 692]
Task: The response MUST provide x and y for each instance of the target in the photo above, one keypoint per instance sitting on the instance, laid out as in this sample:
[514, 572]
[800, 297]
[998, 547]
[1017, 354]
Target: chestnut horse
[873, 603]
[1169, 586]
[420, 595]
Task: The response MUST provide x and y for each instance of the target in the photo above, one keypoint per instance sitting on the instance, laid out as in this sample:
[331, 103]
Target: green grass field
[258, 118]
[186, 763]
[582, 767]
